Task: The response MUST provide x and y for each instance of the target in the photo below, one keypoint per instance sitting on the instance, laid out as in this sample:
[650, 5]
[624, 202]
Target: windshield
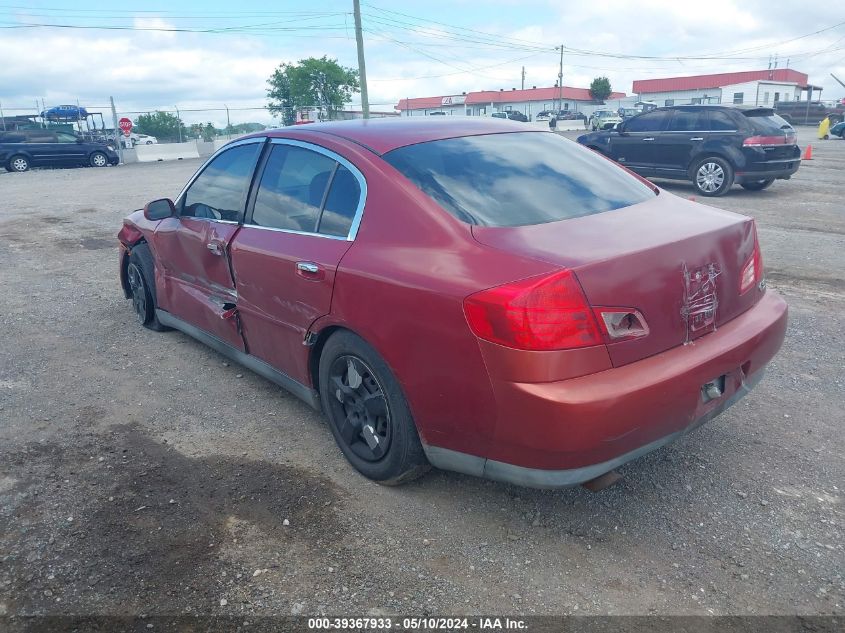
[517, 179]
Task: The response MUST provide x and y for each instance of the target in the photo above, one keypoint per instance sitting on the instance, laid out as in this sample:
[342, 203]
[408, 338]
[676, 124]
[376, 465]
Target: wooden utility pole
[560, 79]
[362, 68]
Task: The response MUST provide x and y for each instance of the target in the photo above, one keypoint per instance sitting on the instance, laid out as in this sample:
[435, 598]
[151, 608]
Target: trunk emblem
[700, 300]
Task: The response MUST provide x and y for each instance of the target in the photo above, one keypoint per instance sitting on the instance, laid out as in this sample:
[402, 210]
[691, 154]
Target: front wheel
[140, 273]
[18, 163]
[98, 159]
[757, 185]
[368, 414]
[712, 176]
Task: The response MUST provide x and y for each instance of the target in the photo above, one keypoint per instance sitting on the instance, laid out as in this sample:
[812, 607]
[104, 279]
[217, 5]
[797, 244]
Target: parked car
[714, 146]
[627, 113]
[145, 139]
[603, 120]
[22, 149]
[569, 115]
[808, 112]
[838, 130]
[516, 115]
[499, 115]
[545, 115]
[438, 113]
[467, 294]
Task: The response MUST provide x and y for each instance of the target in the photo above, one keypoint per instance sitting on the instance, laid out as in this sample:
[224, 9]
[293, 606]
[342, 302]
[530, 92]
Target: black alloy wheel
[141, 300]
[368, 414]
[360, 408]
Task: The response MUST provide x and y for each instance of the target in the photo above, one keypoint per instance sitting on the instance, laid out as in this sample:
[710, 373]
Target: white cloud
[146, 70]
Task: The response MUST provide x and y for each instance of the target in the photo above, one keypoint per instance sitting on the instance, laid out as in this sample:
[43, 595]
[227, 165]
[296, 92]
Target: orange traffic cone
[808, 153]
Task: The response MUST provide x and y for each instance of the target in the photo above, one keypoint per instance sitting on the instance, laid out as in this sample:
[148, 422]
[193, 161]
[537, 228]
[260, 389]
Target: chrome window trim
[362, 183]
[227, 146]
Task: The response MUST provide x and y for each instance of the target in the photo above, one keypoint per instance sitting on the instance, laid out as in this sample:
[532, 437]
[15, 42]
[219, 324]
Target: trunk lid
[678, 262]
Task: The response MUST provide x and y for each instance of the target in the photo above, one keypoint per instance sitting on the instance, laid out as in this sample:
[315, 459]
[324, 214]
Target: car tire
[367, 412]
[140, 273]
[712, 176]
[18, 163]
[98, 159]
[757, 185]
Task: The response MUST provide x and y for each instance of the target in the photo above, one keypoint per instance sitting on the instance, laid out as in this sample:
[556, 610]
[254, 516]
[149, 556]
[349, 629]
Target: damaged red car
[462, 293]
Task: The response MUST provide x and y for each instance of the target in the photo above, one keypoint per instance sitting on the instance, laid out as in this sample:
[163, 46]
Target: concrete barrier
[166, 151]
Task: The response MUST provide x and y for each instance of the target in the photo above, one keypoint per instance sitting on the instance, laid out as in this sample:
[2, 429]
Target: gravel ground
[140, 473]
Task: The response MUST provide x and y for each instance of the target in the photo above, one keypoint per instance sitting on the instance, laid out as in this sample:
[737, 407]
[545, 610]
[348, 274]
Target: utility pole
[362, 68]
[228, 124]
[178, 124]
[114, 124]
[523, 77]
[560, 79]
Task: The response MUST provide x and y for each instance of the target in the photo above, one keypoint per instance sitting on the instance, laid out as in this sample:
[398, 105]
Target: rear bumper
[755, 169]
[563, 433]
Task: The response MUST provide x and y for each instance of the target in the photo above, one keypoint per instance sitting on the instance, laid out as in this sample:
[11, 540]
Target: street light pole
[178, 124]
[362, 68]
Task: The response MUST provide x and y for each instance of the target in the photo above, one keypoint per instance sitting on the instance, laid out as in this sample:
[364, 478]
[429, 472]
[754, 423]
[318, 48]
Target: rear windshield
[517, 179]
[766, 122]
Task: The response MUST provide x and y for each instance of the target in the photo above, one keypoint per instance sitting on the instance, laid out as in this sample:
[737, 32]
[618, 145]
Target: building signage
[456, 100]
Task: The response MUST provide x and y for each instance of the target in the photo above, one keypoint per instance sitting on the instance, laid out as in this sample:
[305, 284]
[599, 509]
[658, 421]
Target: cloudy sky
[207, 54]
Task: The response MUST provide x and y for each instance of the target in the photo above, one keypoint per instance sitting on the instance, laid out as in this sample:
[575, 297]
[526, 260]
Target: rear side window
[219, 192]
[688, 121]
[517, 179]
[651, 122]
[766, 123]
[303, 190]
[721, 121]
[292, 189]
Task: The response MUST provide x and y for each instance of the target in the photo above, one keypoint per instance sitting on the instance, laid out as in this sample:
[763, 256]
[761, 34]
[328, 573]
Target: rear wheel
[757, 185]
[140, 273]
[368, 414]
[98, 159]
[18, 163]
[712, 176]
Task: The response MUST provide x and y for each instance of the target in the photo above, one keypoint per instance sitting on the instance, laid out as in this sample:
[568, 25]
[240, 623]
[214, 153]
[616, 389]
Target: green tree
[163, 125]
[311, 82]
[600, 88]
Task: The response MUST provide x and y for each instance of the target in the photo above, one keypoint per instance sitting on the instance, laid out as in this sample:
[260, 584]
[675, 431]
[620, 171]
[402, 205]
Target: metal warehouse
[753, 87]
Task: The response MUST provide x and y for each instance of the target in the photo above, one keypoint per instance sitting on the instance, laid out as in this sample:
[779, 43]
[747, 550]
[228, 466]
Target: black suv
[22, 149]
[714, 146]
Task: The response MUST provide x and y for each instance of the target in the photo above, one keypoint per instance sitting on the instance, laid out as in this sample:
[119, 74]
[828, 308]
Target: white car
[604, 120]
[144, 139]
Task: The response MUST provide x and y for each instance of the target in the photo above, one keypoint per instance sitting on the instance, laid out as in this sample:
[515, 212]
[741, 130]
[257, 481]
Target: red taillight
[756, 141]
[752, 272]
[539, 313]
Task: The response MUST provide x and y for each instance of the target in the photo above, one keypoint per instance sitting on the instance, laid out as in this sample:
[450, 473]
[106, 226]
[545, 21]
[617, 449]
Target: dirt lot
[140, 473]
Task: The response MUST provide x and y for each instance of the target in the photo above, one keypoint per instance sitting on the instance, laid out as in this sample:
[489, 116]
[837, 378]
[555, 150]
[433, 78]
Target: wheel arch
[124, 264]
[318, 340]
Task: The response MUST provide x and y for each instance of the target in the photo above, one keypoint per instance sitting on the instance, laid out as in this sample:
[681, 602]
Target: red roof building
[757, 87]
[703, 82]
[528, 101]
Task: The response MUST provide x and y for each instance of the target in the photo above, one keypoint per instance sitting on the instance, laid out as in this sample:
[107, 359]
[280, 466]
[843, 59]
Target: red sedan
[465, 293]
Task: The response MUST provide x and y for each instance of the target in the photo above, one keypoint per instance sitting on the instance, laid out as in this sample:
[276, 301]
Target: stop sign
[125, 125]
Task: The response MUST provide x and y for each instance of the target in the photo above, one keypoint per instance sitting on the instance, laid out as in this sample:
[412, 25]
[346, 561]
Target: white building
[529, 101]
[754, 87]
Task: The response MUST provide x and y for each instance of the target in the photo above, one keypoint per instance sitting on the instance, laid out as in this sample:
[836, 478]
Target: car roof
[384, 135]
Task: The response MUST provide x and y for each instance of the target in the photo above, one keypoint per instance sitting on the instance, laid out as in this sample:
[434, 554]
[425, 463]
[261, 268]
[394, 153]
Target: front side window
[219, 192]
[303, 190]
[651, 122]
[517, 178]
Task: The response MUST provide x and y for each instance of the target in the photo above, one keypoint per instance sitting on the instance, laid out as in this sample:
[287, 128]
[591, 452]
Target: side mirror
[159, 209]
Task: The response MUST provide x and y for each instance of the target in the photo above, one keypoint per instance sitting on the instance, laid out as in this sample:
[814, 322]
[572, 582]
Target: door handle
[650, 138]
[216, 248]
[697, 138]
[307, 267]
